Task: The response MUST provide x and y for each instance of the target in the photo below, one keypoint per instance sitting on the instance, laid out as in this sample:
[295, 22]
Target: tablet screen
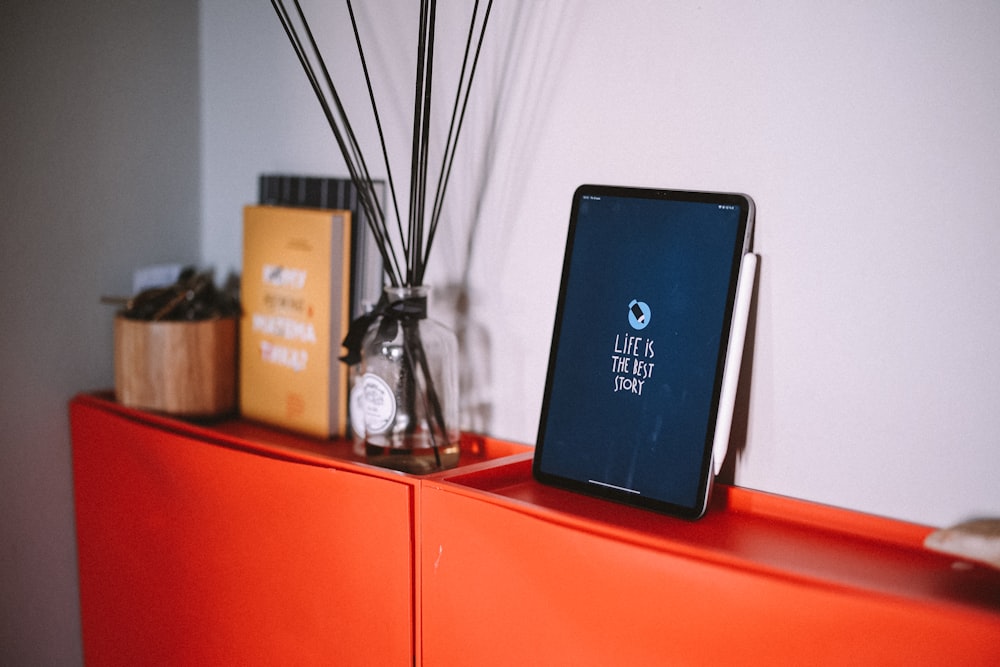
[639, 345]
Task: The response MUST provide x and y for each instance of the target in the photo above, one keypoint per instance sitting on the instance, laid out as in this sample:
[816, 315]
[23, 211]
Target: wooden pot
[181, 368]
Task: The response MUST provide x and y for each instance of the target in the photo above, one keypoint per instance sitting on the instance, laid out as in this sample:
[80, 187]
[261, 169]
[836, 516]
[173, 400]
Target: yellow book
[295, 295]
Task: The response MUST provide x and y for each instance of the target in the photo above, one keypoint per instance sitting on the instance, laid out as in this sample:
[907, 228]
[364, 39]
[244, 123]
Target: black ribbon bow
[392, 313]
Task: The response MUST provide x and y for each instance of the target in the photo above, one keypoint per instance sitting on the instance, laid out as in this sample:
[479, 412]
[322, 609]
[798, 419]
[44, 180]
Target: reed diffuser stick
[353, 157]
[452, 141]
[406, 260]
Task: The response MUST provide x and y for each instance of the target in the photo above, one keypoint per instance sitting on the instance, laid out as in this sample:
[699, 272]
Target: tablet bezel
[740, 248]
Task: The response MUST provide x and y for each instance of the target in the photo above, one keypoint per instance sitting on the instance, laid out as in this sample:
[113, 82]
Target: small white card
[155, 275]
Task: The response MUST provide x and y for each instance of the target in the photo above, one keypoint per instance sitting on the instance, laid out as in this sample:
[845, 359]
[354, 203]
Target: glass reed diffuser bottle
[409, 386]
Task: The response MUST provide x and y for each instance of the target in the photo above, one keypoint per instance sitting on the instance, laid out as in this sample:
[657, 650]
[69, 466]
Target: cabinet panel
[191, 552]
[516, 573]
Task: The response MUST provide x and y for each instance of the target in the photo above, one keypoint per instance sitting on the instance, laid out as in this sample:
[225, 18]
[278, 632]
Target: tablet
[643, 326]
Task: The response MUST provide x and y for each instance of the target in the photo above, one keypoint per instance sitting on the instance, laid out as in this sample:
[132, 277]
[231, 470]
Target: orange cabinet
[517, 573]
[233, 543]
[237, 544]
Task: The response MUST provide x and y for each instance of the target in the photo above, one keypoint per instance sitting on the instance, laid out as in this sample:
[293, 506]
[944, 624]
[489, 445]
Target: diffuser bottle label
[356, 407]
[379, 403]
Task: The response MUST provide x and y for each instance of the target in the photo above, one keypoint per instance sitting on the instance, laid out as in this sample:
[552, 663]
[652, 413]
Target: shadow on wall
[528, 51]
[475, 366]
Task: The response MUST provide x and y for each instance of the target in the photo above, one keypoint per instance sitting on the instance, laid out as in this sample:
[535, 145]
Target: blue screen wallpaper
[638, 347]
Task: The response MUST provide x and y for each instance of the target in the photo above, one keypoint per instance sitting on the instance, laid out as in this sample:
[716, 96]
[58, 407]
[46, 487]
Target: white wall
[99, 174]
[866, 132]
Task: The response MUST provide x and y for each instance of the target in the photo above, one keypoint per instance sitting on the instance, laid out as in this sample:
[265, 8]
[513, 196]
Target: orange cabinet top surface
[270, 441]
[755, 531]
